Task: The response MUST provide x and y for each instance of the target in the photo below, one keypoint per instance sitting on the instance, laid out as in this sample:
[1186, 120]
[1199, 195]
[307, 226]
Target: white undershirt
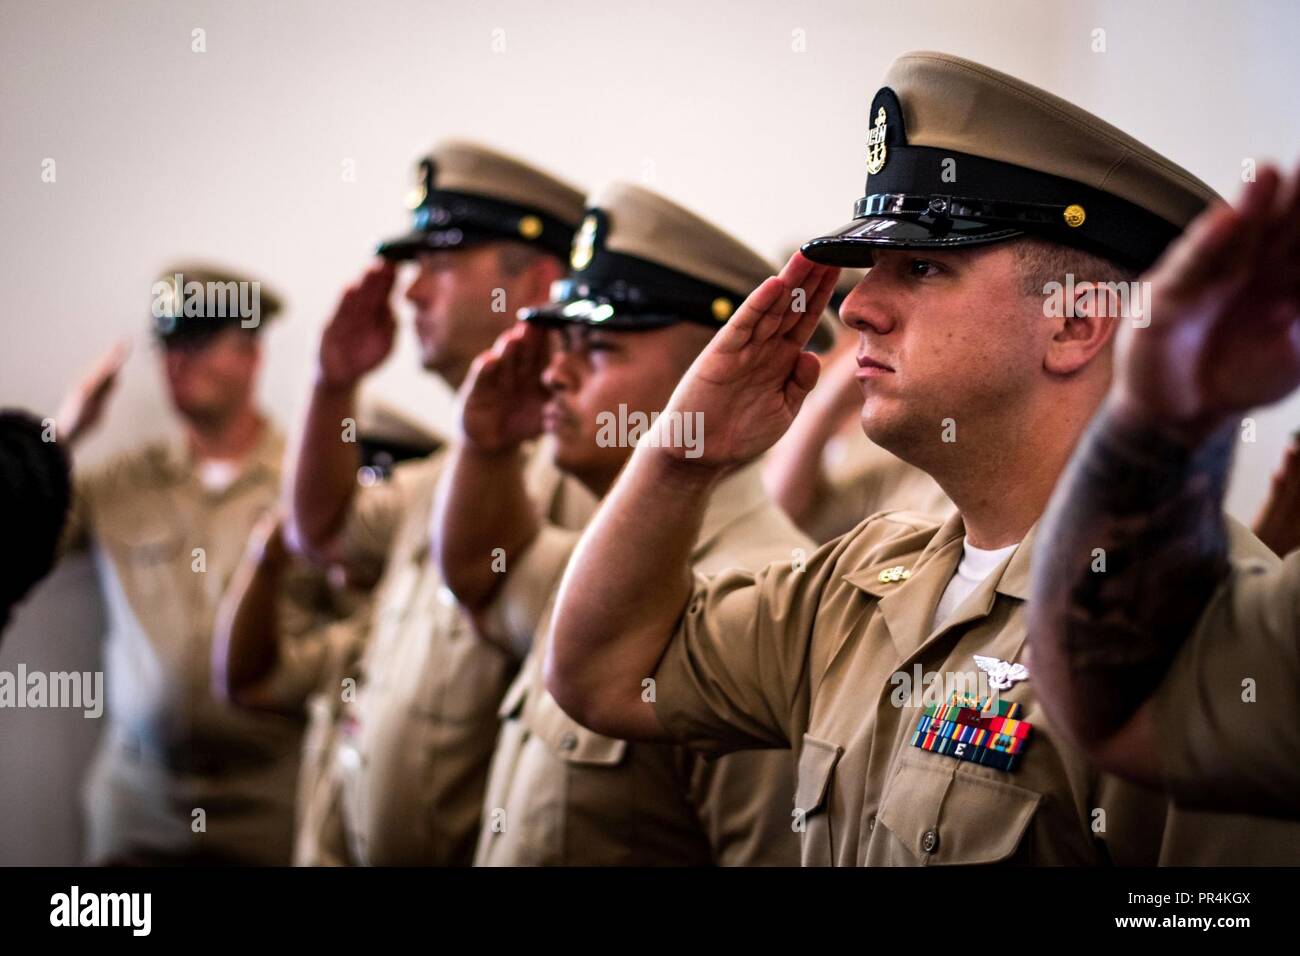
[217, 474]
[976, 565]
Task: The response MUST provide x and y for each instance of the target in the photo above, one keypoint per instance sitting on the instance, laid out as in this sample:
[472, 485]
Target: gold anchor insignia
[1074, 215]
[894, 575]
[876, 150]
[584, 244]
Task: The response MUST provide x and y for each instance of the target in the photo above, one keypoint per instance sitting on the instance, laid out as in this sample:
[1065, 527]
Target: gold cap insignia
[530, 227]
[894, 575]
[722, 308]
[1074, 215]
[877, 154]
[584, 244]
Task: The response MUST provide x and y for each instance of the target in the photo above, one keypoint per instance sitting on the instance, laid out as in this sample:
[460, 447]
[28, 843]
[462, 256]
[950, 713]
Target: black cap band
[446, 219]
[623, 292]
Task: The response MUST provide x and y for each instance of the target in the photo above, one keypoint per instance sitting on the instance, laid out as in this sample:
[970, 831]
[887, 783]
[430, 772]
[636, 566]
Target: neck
[1001, 476]
[231, 439]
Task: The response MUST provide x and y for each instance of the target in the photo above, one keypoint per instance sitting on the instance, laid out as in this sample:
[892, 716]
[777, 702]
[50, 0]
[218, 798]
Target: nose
[865, 308]
[417, 293]
[559, 376]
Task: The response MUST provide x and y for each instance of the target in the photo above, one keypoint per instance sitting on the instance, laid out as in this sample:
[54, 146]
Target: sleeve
[376, 513]
[512, 616]
[1224, 717]
[313, 642]
[735, 674]
[745, 802]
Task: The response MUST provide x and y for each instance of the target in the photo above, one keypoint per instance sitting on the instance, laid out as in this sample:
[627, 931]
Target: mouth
[871, 368]
[554, 416]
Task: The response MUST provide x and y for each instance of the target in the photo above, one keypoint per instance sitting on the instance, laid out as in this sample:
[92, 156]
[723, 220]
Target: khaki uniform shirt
[166, 548]
[414, 744]
[1225, 719]
[822, 659]
[561, 795]
[860, 478]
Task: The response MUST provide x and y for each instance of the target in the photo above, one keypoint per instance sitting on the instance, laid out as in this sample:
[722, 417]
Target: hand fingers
[801, 330]
[802, 280]
[1255, 209]
[738, 330]
[375, 287]
[803, 377]
[1189, 262]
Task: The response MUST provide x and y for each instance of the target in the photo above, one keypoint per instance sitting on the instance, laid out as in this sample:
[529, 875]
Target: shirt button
[871, 823]
[930, 842]
[569, 741]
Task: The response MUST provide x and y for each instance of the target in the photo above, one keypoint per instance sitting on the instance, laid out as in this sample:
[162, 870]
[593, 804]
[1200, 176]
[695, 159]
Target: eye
[922, 268]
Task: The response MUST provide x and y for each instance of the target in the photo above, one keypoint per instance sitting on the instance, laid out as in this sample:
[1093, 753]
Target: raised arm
[1144, 491]
[483, 517]
[628, 582]
[245, 645]
[322, 479]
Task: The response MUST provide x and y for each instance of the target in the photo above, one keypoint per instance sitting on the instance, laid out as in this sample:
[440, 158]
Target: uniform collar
[264, 458]
[737, 495]
[931, 558]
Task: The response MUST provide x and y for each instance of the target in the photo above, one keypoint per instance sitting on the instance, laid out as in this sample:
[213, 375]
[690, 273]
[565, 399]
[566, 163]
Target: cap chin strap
[939, 211]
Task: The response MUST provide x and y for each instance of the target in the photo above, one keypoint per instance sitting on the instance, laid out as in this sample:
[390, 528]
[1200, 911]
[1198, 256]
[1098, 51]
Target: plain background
[239, 154]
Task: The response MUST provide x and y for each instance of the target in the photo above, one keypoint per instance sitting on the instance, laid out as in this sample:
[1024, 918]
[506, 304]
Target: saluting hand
[361, 332]
[1225, 315]
[83, 407]
[751, 379]
[503, 396]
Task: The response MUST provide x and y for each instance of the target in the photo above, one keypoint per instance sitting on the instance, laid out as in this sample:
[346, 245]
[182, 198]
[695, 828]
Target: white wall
[237, 153]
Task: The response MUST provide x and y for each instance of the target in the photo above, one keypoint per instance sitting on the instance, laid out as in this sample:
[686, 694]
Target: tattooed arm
[1134, 545]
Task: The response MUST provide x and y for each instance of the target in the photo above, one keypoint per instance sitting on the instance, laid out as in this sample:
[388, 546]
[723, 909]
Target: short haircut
[1041, 261]
[35, 492]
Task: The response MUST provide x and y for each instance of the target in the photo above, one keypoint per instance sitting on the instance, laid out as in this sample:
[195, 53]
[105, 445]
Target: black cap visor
[853, 245]
[597, 313]
[417, 242]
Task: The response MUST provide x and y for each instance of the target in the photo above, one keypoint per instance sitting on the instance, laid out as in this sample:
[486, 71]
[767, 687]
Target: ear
[1087, 326]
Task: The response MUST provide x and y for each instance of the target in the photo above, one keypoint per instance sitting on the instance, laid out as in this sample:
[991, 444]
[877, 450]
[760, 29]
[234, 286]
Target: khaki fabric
[814, 659]
[1224, 718]
[166, 548]
[410, 752]
[860, 479]
[467, 167]
[957, 104]
[561, 795]
[318, 836]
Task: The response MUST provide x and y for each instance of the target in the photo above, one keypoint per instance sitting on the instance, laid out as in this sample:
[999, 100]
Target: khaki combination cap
[641, 261]
[192, 301]
[959, 154]
[467, 193]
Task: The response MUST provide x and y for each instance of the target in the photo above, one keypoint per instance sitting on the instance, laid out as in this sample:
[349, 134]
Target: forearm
[323, 480]
[1129, 554]
[245, 649]
[624, 591]
[483, 518]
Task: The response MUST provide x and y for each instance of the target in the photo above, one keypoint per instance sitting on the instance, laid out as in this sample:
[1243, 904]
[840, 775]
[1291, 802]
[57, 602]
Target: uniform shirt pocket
[817, 761]
[945, 816]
